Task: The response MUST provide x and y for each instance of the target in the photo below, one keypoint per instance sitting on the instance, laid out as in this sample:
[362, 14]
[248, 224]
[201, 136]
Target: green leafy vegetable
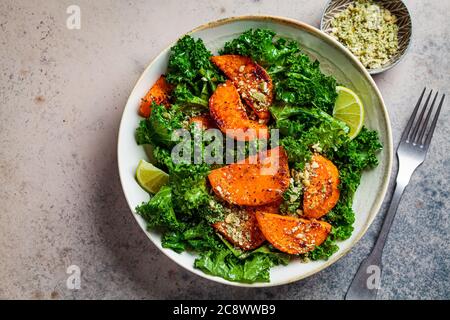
[188, 184]
[162, 158]
[198, 237]
[191, 196]
[160, 126]
[185, 97]
[260, 45]
[159, 213]
[233, 265]
[190, 70]
[303, 128]
[222, 263]
[324, 251]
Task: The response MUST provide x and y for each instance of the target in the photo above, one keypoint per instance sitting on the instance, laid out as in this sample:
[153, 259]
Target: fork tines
[419, 129]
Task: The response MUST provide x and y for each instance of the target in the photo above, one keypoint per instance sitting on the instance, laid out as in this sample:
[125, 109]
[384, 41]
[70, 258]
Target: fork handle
[366, 283]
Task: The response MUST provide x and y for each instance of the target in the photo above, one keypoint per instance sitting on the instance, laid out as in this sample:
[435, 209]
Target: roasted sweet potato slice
[226, 109]
[204, 121]
[240, 228]
[254, 181]
[292, 235]
[252, 81]
[322, 192]
[158, 93]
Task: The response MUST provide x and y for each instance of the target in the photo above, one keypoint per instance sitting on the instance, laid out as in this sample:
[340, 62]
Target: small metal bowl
[396, 7]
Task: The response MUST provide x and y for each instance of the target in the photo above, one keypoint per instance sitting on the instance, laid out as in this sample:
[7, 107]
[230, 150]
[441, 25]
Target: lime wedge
[150, 177]
[349, 109]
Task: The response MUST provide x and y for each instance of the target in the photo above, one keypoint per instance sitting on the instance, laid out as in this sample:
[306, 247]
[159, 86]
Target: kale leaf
[188, 182]
[184, 96]
[303, 128]
[259, 44]
[222, 263]
[158, 129]
[191, 196]
[190, 70]
[292, 199]
[159, 213]
[325, 250]
[197, 237]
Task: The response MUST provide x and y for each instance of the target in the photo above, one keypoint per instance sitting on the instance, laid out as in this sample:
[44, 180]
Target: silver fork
[411, 152]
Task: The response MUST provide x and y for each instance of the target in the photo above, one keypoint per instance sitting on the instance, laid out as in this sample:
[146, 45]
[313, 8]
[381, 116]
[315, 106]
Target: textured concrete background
[61, 97]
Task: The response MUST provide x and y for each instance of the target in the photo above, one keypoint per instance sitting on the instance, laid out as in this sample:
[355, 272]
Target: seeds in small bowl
[369, 31]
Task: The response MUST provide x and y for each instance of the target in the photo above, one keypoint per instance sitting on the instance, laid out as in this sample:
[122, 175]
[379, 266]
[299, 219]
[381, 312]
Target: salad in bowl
[254, 156]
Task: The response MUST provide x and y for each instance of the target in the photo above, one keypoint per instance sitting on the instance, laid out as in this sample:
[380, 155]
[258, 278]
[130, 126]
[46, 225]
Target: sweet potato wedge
[252, 81]
[228, 112]
[240, 228]
[322, 193]
[204, 121]
[159, 93]
[292, 235]
[254, 181]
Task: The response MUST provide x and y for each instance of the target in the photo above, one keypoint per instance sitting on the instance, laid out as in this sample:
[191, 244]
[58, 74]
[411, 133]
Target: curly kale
[198, 237]
[184, 96]
[261, 46]
[190, 70]
[351, 159]
[253, 266]
[303, 128]
[325, 250]
[189, 188]
[159, 213]
[223, 263]
[159, 128]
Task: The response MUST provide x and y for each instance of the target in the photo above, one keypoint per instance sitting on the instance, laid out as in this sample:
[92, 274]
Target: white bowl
[335, 60]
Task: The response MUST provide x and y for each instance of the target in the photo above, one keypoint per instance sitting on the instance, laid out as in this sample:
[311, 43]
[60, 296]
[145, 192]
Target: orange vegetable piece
[292, 235]
[252, 81]
[240, 228]
[254, 181]
[227, 110]
[322, 193]
[158, 93]
[204, 121]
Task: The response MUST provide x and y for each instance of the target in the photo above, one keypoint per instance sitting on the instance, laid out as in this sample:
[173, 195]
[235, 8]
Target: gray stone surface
[61, 97]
